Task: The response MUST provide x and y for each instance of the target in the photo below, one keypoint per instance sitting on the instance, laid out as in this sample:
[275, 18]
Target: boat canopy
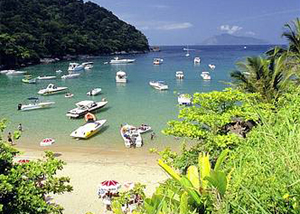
[85, 103]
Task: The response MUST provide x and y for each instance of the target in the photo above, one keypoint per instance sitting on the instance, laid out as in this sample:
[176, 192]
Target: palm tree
[293, 36]
[268, 77]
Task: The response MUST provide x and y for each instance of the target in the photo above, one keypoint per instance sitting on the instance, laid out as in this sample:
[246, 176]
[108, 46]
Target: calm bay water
[133, 103]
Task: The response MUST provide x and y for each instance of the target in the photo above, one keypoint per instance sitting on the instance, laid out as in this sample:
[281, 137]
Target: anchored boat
[131, 136]
[84, 107]
[52, 89]
[35, 104]
[159, 85]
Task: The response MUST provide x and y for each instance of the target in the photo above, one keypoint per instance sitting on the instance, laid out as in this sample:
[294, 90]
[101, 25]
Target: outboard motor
[19, 106]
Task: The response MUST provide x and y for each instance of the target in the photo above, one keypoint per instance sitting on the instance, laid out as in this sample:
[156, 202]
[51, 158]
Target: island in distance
[228, 39]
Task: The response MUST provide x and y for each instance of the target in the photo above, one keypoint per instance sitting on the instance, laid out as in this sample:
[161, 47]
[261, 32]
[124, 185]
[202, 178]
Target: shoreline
[88, 167]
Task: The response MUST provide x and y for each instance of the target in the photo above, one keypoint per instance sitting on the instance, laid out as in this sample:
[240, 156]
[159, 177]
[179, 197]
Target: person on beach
[20, 128]
[9, 139]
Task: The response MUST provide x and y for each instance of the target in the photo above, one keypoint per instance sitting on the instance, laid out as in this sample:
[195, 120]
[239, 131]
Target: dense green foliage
[24, 186]
[33, 29]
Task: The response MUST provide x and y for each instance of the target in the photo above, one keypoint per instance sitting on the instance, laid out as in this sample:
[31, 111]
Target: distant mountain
[227, 39]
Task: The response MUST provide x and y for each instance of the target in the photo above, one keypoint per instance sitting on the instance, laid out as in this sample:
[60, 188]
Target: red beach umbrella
[109, 186]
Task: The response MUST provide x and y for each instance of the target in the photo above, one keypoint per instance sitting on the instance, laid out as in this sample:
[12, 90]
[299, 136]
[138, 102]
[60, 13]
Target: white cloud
[230, 29]
[250, 33]
[174, 26]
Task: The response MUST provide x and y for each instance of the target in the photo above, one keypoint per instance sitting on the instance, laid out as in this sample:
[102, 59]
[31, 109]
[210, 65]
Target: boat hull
[88, 129]
[36, 106]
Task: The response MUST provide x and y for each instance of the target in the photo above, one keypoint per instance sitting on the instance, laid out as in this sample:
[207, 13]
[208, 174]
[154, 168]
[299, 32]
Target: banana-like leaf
[183, 207]
[218, 180]
[116, 207]
[204, 167]
[188, 186]
[221, 159]
[193, 176]
[169, 170]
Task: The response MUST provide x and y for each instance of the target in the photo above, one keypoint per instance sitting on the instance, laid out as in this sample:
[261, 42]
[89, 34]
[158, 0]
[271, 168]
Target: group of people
[10, 137]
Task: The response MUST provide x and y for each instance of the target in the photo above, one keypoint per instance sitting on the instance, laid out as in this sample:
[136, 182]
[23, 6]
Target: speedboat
[160, 85]
[179, 75]
[144, 128]
[52, 89]
[35, 104]
[91, 127]
[205, 75]
[211, 66]
[74, 67]
[87, 65]
[131, 136]
[94, 92]
[121, 77]
[46, 77]
[59, 71]
[5, 71]
[28, 79]
[84, 107]
[197, 60]
[184, 99]
[70, 76]
[157, 61]
[69, 95]
[15, 73]
[117, 60]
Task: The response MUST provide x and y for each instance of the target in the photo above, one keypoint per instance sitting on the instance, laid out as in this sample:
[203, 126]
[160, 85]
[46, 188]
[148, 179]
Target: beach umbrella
[108, 186]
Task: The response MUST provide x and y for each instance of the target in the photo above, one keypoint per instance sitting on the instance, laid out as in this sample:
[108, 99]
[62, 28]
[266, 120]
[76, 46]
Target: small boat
[74, 67]
[46, 77]
[205, 75]
[94, 92]
[179, 74]
[84, 107]
[131, 136]
[52, 89]
[70, 76]
[28, 79]
[144, 128]
[160, 85]
[211, 66]
[184, 99]
[87, 65]
[47, 142]
[121, 77]
[35, 104]
[5, 71]
[157, 61]
[90, 128]
[117, 60]
[187, 51]
[15, 73]
[197, 60]
[69, 95]
[59, 71]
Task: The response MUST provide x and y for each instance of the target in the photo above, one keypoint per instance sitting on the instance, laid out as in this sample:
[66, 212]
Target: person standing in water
[20, 128]
[9, 139]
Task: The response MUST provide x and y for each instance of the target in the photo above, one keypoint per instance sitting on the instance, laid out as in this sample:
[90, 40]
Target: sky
[189, 22]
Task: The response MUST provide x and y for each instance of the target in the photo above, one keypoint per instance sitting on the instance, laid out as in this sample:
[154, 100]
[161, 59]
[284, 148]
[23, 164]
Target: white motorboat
[89, 129]
[70, 76]
[35, 104]
[52, 89]
[15, 73]
[87, 65]
[179, 74]
[144, 128]
[121, 77]
[117, 60]
[211, 66]
[5, 71]
[184, 99]
[187, 51]
[205, 75]
[46, 77]
[197, 60]
[84, 107]
[157, 61]
[69, 95]
[160, 85]
[74, 67]
[131, 136]
[59, 71]
[94, 92]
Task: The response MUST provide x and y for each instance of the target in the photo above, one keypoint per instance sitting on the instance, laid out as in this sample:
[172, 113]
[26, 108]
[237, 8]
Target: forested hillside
[33, 29]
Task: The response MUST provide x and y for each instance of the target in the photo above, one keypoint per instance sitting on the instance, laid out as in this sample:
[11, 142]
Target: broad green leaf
[218, 180]
[221, 159]
[193, 176]
[204, 167]
[184, 203]
[188, 186]
[169, 170]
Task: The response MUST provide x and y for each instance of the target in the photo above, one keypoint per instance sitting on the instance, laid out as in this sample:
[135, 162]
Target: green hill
[34, 29]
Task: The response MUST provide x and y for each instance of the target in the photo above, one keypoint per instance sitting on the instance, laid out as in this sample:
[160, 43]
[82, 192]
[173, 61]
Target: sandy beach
[88, 167]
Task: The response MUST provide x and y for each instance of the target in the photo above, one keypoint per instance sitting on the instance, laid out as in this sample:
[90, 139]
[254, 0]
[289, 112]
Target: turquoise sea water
[133, 103]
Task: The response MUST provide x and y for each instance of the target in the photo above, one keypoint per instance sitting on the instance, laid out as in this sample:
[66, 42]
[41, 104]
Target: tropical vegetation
[34, 29]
